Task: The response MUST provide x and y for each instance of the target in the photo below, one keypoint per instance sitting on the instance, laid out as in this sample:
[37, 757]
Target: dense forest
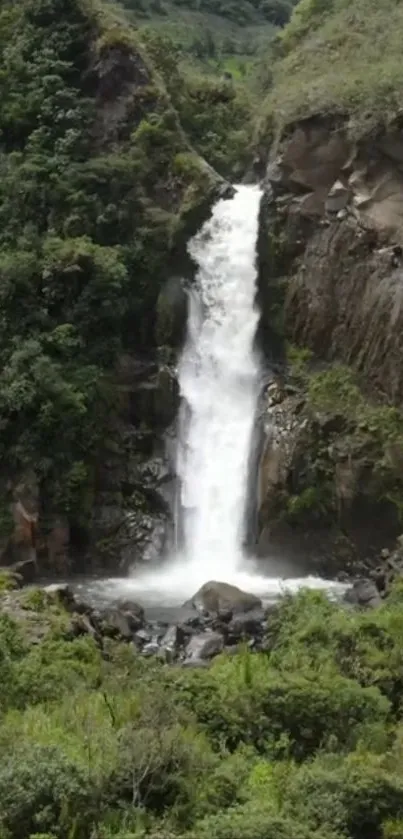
[92, 200]
[120, 124]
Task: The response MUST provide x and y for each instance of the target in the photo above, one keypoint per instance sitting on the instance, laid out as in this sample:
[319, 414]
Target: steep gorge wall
[330, 480]
[345, 294]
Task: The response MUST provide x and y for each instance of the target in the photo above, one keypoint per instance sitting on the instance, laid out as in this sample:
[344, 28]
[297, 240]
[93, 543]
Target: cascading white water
[219, 383]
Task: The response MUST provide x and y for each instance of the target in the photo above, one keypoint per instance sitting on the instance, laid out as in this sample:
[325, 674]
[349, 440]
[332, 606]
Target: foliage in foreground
[303, 741]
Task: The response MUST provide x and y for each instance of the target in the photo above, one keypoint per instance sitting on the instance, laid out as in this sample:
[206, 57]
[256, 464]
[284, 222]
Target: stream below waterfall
[220, 374]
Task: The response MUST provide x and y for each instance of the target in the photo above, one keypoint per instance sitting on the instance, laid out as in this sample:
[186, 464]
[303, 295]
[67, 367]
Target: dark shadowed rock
[132, 609]
[214, 597]
[247, 625]
[225, 615]
[173, 638]
[363, 593]
[113, 624]
[171, 643]
[122, 621]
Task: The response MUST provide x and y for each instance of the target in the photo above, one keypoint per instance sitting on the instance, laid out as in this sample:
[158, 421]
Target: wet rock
[112, 625]
[170, 638]
[120, 622]
[171, 313]
[155, 401]
[154, 549]
[214, 597]
[247, 625]
[132, 608]
[171, 643]
[204, 646]
[225, 615]
[141, 637]
[363, 593]
[152, 648]
[173, 638]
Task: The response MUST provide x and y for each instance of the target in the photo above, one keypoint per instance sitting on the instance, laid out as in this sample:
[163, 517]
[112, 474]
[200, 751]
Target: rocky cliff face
[330, 474]
[344, 298]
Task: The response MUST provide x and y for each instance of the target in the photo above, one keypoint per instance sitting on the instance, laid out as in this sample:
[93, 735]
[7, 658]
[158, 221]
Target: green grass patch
[340, 57]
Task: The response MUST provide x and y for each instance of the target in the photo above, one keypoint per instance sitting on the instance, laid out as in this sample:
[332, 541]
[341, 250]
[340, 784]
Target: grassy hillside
[215, 35]
[341, 57]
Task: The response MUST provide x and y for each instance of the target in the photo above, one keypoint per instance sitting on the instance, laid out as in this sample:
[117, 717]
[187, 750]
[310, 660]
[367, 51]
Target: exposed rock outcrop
[330, 480]
[338, 208]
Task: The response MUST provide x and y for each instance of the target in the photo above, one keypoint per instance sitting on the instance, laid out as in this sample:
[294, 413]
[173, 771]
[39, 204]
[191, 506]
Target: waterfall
[219, 379]
[219, 384]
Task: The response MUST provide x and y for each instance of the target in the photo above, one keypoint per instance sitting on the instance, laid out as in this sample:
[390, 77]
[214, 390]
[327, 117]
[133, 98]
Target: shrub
[253, 821]
[354, 795]
[42, 790]
[244, 700]
[55, 667]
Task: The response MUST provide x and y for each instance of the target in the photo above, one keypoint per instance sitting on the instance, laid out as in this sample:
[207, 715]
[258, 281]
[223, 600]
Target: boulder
[173, 638]
[151, 648]
[363, 593]
[247, 625]
[214, 597]
[81, 625]
[141, 637]
[204, 647]
[121, 621]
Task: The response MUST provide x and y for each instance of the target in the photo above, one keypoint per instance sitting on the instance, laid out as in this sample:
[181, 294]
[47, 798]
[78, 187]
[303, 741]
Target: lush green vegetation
[340, 57]
[343, 426]
[216, 113]
[91, 202]
[212, 31]
[304, 740]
